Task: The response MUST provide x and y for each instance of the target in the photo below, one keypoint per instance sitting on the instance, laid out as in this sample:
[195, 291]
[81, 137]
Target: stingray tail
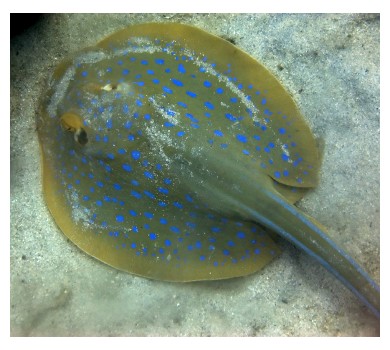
[289, 222]
[304, 233]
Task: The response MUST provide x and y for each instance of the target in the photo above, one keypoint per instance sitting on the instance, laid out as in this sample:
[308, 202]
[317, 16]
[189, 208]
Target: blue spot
[120, 218]
[126, 167]
[207, 84]
[230, 117]
[128, 124]
[178, 205]
[218, 133]
[148, 215]
[99, 203]
[132, 212]
[168, 243]
[159, 61]
[167, 181]
[84, 73]
[174, 229]
[267, 112]
[277, 174]
[219, 91]
[240, 234]
[167, 70]
[152, 236]
[133, 245]
[158, 166]
[202, 258]
[125, 72]
[167, 90]
[191, 94]
[163, 190]
[136, 194]
[189, 198]
[282, 131]
[224, 145]
[180, 133]
[234, 99]
[257, 251]
[180, 68]
[192, 118]
[285, 157]
[285, 173]
[135, 182]
[231, 243]
[163, 221]
[263, 101]
[246, 152]
[109, 124]
[266, 149]
[215, 263]
[209, 105]
[149, 194]
[125, 108]
[149, 71]
[135, 228]
[177, 82]
[226, 252]
[121, 151]
[136, 154]
[241, 138]
[144, 62]
[156, 81]
[110, 156]
[149, 175]
[168, 124]
[182, 104]
[120, 62]
[117, 187]
[161, 250]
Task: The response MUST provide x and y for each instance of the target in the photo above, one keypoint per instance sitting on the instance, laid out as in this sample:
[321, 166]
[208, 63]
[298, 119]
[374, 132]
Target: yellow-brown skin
[254, 194]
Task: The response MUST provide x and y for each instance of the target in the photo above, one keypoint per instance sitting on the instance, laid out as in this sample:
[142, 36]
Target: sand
[330, 65]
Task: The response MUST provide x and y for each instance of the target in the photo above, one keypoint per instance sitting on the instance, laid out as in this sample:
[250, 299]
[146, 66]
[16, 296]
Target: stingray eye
[73, 123]
[81, 136]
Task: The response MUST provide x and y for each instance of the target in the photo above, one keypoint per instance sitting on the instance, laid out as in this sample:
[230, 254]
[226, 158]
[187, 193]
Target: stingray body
[167, 151]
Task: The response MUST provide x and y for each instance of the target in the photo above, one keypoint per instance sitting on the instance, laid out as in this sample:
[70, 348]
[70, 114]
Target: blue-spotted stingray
[170, 153]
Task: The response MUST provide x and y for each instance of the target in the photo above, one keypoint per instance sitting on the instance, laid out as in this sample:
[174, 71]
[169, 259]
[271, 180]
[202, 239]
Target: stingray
[169, 153]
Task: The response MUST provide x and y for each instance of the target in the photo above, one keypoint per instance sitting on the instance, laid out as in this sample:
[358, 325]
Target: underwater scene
[188, 175]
